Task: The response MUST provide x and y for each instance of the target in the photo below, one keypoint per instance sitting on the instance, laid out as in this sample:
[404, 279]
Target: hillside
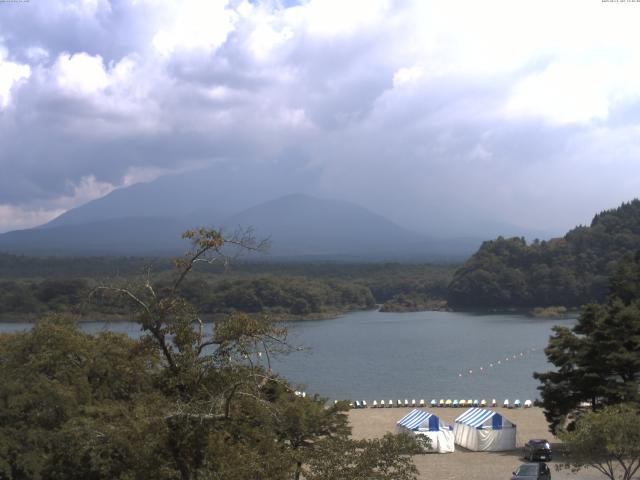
[121, 236]
[298, 226]
[203, 195]
[568, 271]
[304, 225]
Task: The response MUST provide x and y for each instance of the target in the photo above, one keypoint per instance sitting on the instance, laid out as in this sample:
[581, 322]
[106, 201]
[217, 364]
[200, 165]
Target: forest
[31, 286]
[568, 271]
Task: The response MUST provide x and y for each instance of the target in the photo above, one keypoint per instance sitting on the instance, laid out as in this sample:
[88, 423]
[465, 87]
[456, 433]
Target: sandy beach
[464, 464]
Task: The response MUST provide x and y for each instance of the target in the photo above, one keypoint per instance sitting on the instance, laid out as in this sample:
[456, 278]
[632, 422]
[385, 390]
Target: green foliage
[284, 291]
[175, 404]
[21, 266]
[608, 441]
[387, 458]
[281, 295]
[548, 312]
[568, 271]
[60, 387]
[412, 302]
[598, 360]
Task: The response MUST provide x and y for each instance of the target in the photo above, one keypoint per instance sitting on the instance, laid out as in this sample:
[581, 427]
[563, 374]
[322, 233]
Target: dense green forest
[279, 296]
[569, 271]
[31, 286]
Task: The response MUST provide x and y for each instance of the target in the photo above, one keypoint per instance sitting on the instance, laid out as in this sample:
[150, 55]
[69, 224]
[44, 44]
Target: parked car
[532, 471]
[537, 449]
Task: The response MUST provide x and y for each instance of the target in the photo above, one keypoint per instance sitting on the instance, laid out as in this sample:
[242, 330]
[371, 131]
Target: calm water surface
[373, 355]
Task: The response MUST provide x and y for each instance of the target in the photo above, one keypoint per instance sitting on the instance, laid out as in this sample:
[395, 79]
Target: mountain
[210, 193]
[121, 236]
[568, 271]
[299, 226]
[304, 225]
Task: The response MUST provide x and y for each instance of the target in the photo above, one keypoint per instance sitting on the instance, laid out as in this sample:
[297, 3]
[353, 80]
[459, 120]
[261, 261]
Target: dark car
[532, 471]
[537, 449]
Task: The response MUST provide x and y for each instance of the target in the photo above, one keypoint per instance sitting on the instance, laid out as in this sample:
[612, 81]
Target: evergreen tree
[598, 360]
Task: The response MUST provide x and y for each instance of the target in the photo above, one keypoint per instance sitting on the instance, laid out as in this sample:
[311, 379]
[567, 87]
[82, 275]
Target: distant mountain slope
[298, 226]
[213, 191]
[120, 236]
[301, 224]
[568, 271]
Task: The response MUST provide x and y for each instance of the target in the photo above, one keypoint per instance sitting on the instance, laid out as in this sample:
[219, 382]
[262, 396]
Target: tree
[232, 417]
[608, 441]
[74, 405]
[568, 271]
[182, 402]
[304, 421]
[386, 458]
[598, 360]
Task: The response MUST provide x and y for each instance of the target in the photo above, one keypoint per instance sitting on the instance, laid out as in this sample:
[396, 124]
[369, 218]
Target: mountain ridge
[299, 226]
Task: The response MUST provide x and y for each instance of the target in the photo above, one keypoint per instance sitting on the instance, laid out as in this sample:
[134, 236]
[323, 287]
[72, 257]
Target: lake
[373, 355]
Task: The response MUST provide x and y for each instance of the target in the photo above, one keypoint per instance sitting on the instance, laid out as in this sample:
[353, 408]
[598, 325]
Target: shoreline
[281, 317]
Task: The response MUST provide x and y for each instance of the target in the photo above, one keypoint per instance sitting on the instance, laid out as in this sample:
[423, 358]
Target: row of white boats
[442, 403]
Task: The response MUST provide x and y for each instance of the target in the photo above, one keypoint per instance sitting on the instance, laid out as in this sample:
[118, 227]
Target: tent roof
[475, 417]
[415, 418]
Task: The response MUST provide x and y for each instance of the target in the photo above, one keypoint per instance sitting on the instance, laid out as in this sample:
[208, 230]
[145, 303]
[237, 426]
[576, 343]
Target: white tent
[484, 430]
[420, 422]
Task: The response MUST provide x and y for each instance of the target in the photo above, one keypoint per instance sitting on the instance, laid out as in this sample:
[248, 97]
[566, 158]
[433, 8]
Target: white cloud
[577, 90]
[86, 7]
[147, 174]
[407, 75]
[13, 217]
[88, 188]
[81, 73]
[198, 24]
[37, 54]
[17, 217]
[267, 36]
[11, 74]
[564, 93]
[337, 17]
[28, 215]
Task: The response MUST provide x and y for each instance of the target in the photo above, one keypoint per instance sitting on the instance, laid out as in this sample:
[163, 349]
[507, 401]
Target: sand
[464, 464]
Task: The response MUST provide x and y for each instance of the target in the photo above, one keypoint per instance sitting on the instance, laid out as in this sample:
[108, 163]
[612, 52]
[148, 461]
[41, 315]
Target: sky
[427, 112]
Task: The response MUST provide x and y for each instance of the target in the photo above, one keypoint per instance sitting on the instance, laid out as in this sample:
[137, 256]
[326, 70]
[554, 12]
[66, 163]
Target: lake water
[373, 355]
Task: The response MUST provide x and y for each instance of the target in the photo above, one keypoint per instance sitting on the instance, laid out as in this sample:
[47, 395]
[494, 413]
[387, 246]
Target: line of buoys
[484, 369]
[448, 403]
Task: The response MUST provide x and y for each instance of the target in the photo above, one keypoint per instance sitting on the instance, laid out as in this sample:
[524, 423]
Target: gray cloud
[379, 109]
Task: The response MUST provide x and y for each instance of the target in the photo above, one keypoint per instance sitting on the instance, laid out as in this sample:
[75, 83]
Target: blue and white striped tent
[477, 417]
[480, 429]
[420, 422]
[419, 419]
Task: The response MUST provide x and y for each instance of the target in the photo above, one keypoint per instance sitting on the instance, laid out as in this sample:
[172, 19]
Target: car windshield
[524, 470]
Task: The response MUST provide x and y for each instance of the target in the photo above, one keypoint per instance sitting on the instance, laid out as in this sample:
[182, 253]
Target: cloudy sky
[517, 111]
